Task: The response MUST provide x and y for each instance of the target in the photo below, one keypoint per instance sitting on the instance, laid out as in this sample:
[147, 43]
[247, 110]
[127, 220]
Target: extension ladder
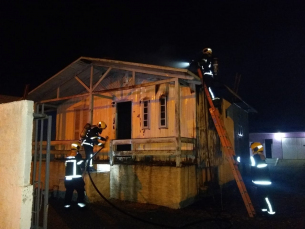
[228, 149]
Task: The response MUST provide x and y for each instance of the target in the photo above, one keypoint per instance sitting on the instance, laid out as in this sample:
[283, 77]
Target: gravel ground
[223, 209]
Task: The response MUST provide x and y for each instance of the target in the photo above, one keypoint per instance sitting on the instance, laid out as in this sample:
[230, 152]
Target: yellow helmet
[102, 125]
[257, 147]
[75, 146]
[207, 51]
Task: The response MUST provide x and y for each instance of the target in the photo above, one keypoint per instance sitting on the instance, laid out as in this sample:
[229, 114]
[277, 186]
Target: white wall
[16, 126]
[277, 137]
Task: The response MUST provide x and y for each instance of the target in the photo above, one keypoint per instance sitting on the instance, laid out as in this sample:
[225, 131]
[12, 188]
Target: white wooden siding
[105, 110]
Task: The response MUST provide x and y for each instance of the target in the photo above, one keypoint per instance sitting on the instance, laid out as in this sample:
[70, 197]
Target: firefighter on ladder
[261, 178]
[92, 137]
[209, 69]
[73, 177]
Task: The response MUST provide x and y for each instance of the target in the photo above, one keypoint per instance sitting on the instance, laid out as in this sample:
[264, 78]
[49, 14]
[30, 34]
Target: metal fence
[42, 129]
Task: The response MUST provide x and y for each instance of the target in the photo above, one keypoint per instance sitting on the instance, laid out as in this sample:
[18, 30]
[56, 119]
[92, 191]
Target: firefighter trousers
[77, 184]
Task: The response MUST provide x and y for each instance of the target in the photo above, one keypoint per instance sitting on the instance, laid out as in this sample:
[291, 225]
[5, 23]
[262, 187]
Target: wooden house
[163, 148]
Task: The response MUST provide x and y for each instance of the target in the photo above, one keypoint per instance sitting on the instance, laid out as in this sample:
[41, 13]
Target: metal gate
[42, 128]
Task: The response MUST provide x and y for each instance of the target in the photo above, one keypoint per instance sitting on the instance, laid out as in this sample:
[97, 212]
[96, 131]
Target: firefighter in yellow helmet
[73, 177]
[261, 178]
[93, 137]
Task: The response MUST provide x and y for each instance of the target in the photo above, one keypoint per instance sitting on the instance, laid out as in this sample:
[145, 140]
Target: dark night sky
[261, 40]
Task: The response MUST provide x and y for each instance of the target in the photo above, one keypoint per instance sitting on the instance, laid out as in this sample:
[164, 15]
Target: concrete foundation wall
[16, 126]
[102, 182]
[57, 185]
[161, 185]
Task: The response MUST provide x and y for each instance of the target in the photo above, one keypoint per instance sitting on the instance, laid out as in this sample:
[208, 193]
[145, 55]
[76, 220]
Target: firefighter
[261, 178]
[73, 177]
[92, 138]
[206, 63]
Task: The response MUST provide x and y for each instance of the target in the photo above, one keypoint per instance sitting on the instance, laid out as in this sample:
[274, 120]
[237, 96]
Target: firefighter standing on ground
[92, 137]
[261, 178]
[73, 178]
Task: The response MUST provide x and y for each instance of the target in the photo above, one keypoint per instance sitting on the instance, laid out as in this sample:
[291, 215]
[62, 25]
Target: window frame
[148, 120]
[165, 125]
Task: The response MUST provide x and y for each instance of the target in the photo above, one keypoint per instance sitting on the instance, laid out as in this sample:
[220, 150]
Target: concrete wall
[102, 182]
[16, 126]
[161, 185]
[57, 185]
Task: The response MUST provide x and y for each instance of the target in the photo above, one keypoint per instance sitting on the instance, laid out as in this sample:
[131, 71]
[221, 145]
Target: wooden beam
[133, 78]
[82, 83]
[177, 122]
[137, 86]
[188, 140]
[144, 140]
[152, 153]
[144, 153]
[91, 97]
[156, 73]
[108, 90]
[103, 77]
[63, 98]
[118, 62]
[103, 96]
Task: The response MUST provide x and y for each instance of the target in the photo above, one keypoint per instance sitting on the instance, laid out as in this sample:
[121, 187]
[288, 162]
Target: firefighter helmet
[75, 146]
[257, 147]
[207, 51]
[102, 125]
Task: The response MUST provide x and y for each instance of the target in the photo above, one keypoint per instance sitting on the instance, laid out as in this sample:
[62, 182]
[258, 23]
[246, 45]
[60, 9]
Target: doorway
[124, 124]
[268, 148]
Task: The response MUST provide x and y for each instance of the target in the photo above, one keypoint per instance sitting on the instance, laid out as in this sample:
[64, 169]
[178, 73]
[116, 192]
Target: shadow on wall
[129, 185]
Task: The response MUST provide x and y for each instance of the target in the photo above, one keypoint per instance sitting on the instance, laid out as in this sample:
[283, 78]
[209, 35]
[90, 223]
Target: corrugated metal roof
[66, 84]
[8, 98]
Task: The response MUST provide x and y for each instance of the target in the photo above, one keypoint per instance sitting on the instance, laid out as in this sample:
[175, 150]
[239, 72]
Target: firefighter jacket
[74, 166]
[259, 170]
[205, 64]
[92, 137]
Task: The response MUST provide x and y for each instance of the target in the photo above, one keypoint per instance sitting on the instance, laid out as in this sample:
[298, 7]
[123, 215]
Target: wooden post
[111, 153]
[91, 96]
[177, 123]
[133, 78]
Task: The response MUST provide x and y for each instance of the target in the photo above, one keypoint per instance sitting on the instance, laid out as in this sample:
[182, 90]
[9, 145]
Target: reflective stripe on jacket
[73, 167]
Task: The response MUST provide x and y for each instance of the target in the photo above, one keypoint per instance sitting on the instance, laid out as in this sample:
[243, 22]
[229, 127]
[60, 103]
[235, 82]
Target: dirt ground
[223, 208]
